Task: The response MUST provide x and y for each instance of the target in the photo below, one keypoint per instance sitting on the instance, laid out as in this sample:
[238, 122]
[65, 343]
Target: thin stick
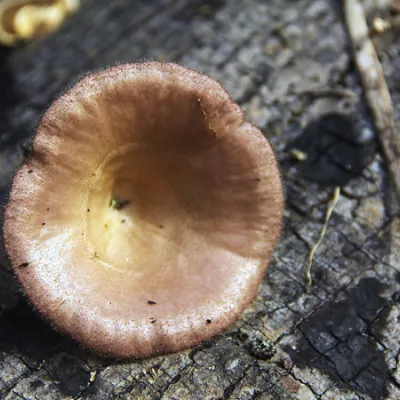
[329, 92]
[375, 87]
[335, 198]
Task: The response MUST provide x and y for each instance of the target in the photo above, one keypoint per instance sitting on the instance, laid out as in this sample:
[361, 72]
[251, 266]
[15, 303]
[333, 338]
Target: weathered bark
[340, 341]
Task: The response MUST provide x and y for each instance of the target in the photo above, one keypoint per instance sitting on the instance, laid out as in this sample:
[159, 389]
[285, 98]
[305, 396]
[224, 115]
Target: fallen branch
[375, 87]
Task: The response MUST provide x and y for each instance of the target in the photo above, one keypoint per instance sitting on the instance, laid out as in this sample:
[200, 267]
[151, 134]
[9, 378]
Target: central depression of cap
[147, 213]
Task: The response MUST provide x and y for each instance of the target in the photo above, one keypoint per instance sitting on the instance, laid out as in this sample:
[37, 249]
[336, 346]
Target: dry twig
[375, 87]
[329, 92]
[328, 214]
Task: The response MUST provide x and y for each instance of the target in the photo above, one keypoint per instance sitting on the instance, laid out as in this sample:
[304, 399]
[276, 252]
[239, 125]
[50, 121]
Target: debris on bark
[375, 87]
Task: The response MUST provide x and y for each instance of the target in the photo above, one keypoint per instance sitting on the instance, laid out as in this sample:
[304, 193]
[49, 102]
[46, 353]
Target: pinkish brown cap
[145, 218]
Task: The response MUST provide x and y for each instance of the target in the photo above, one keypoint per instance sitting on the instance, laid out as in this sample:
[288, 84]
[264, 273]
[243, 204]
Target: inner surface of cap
[150, 201]
[154, 208]
[174, 200]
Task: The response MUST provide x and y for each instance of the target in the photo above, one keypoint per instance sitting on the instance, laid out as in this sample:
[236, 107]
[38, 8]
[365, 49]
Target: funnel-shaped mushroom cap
[145, 218]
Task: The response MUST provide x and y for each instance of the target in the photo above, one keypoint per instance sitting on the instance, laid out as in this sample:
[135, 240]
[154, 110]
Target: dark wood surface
[342, 340]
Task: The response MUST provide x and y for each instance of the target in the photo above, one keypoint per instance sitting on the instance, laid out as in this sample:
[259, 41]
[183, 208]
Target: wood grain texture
[339, 341]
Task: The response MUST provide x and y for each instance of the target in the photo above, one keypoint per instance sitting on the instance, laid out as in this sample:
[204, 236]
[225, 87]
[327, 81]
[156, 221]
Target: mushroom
[147, 212]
